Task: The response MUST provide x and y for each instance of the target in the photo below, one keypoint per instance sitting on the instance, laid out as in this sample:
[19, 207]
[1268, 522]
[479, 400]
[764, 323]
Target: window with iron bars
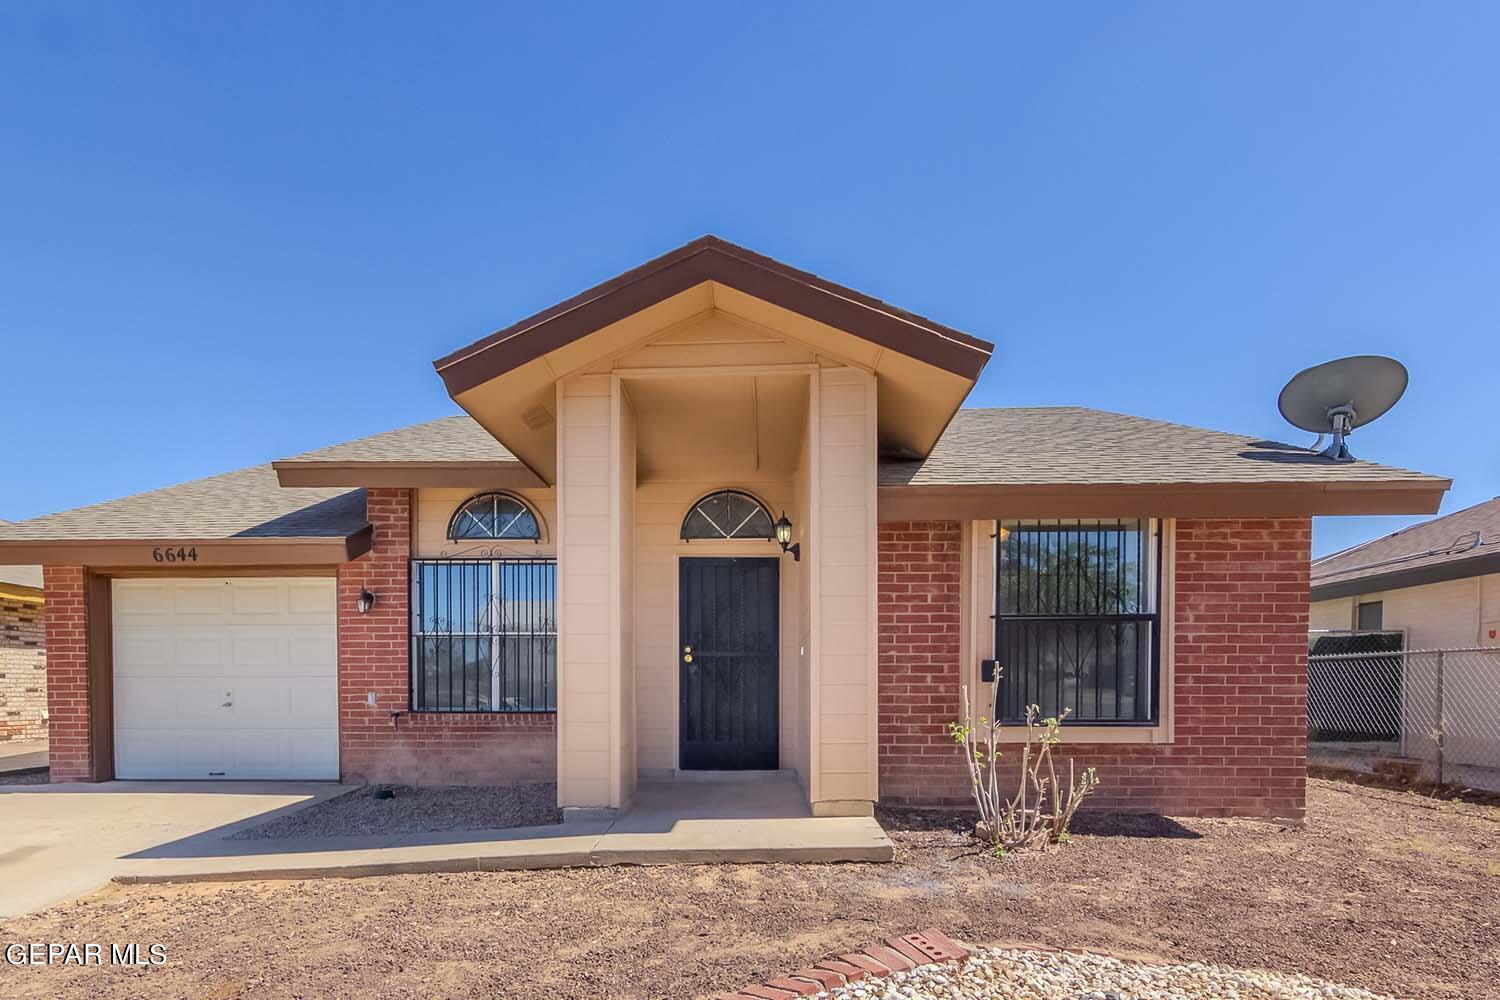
[1077, 620]
[484, 635]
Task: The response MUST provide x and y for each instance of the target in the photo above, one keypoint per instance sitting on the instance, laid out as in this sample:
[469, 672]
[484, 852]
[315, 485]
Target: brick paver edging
[895, 954]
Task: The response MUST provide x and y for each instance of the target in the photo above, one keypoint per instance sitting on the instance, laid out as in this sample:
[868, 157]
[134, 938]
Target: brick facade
[1240, 683]
[425, 747]
[23, 671]
[66, 619]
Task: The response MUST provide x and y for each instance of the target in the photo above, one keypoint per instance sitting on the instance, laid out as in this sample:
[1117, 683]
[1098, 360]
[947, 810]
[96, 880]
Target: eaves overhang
[1205, 500]
[409, 475]
[1415, 576]
[711, 259]
[188, 553]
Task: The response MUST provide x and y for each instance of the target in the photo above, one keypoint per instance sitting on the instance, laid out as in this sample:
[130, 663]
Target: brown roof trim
[1415, 576]
[712, 259]
[499, 475]
[210, 552]
[913, 503]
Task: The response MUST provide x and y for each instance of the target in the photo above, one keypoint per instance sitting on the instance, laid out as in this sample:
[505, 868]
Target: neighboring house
[579, 579]
[23, 654]
[1438, 581]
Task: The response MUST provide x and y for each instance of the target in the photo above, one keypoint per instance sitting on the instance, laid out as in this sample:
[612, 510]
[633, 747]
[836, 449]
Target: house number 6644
[171, 555]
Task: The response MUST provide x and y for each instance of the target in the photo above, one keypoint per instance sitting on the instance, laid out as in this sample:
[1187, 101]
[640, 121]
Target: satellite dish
[1336, 397]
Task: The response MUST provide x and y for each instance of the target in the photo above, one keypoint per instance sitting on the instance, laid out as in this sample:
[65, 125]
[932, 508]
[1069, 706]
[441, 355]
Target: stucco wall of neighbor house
[432, 748]
[23, 671]
[1239, 684]
[1452, 614]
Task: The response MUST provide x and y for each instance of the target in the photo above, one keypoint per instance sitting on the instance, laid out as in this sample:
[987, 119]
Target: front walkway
[761, 819]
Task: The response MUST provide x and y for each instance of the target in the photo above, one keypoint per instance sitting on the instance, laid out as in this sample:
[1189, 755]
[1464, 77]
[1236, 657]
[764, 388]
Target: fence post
[1442, 728]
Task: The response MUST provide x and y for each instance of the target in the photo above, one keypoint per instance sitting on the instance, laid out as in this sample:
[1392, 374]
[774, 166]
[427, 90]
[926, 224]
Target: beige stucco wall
[843, 552]
[1447, 615]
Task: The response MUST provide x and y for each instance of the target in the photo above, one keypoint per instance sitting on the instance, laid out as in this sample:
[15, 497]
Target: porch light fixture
[784, 536]
[366, 601]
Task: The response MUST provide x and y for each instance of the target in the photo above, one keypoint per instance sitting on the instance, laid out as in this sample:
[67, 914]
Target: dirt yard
[1382, 889]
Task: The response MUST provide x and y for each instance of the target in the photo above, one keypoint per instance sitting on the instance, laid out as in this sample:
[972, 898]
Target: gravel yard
[1019, 974]
[1382, 890]
[416, 810]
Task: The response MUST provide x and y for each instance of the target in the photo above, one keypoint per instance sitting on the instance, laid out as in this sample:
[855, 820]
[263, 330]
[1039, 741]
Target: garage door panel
[220, 678]
[197, 599]
[311, 601]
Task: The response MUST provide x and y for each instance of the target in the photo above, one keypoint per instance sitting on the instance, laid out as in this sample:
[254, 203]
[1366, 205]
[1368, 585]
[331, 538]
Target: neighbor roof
[1463, 544]
[709, 258]
[245, 506]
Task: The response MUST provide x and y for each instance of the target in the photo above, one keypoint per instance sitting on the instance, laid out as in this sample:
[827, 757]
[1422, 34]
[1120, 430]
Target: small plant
[1040, 810]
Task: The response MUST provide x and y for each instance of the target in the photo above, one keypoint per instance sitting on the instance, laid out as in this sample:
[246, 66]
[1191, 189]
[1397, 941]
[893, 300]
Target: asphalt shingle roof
[248, 503]
[448, 439]
[1068, 445]
[1471, 535]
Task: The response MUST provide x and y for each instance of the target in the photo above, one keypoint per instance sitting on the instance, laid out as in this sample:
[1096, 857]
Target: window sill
[1073, 735]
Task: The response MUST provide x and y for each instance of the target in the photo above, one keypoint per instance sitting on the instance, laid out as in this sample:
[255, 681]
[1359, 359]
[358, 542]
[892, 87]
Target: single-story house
[1438, 582]
[23, 654]
[713, 514]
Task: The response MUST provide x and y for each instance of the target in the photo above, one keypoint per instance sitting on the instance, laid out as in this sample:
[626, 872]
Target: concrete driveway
[58, 841]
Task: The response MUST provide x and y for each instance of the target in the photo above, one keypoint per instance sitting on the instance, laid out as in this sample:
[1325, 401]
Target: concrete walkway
[58, 841]
[22, 755]
[670, 822]
[63, 840]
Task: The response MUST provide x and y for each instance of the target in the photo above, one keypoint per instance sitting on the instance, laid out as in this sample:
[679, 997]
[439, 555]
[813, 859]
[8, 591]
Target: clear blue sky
[229, 233]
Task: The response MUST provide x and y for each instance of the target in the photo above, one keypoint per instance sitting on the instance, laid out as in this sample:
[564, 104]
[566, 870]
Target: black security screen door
[728, 663]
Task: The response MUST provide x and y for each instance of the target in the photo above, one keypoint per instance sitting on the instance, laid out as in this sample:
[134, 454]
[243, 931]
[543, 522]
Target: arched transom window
[494, 516]
[728, 514]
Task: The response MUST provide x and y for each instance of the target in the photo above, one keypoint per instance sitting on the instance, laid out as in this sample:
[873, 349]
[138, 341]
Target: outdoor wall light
[784, 536]
[366, 601]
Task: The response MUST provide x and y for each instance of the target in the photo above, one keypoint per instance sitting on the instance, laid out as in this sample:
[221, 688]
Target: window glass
[484, 635]
[1077, 624]
[494, 516]
[728, 514]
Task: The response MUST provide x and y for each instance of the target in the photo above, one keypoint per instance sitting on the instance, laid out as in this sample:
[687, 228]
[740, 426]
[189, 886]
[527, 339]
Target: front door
[727, 652]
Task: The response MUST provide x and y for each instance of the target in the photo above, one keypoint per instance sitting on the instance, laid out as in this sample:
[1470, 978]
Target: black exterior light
[366, 601]
[784, 536]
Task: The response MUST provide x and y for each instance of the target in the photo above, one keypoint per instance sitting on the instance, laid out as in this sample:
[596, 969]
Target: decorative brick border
[895, 954]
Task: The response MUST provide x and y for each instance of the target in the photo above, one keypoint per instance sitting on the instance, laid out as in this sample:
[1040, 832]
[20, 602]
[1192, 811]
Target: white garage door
[226, 678]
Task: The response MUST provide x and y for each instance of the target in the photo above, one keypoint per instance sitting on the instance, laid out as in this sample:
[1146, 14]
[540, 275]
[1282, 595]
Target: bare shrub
[1041, 808]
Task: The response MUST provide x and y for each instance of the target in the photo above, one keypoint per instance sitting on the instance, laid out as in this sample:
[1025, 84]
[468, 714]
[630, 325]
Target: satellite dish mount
[1336, 397]
[1341, 420]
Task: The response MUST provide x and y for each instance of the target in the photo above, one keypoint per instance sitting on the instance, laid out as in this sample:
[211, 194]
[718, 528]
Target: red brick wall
[1240, 676]
[421, 748]
[919, 666]
[66, 623]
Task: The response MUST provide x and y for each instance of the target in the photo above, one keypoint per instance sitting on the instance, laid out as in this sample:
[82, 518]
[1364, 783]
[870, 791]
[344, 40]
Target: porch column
[595, 492]
[843, 551]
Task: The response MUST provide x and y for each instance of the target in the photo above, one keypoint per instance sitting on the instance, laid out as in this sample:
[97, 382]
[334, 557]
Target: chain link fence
[1431, 713]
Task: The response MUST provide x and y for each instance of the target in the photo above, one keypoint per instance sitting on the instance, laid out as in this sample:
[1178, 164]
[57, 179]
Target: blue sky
[230, 233]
